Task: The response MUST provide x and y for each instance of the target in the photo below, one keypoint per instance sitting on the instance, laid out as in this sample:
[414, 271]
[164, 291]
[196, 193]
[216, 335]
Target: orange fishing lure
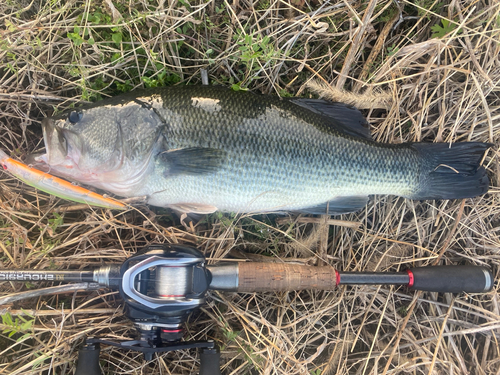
[56, 186]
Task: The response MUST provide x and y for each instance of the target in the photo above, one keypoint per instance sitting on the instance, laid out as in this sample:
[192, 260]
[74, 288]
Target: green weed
[220, 8]
[403, 311]
[40, 359]
[238, 87]
[77, 37]
[163, 78]
[254, 52]
[426, 7]
[18, 324]
[392, 50]
[388, 14]
[228, 333]
[446, 27]
[56, 221]
[250, 356]
[285, 94]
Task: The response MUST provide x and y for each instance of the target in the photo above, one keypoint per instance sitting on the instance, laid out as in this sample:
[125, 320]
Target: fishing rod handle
[273, 277]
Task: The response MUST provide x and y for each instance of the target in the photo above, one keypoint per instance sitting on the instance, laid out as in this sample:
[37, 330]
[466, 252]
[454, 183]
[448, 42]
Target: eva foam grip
[88, 360]
[451, 279]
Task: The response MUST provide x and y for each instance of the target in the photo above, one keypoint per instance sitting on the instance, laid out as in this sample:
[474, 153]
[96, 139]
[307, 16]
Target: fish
[56, 186]
[201, 149]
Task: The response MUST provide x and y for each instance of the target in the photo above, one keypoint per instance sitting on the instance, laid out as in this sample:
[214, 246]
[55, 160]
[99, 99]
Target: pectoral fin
[192, 161]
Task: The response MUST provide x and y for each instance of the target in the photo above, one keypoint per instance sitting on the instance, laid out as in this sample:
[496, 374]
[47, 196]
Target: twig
[440, 337]
[317, 220]
[39, 312]
[356, 44]
[379, 44]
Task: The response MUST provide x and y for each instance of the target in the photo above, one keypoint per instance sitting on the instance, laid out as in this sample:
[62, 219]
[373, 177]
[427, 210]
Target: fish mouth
[55, 143]
[56, 158]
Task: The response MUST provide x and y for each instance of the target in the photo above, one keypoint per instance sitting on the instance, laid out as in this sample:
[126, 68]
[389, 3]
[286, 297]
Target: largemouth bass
[201, 149]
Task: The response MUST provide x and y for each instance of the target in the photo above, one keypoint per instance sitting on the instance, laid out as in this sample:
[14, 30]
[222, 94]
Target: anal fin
[337, 206]
[193, 208]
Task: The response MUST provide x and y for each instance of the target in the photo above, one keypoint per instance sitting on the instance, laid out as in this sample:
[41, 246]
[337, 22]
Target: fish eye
[75, 116]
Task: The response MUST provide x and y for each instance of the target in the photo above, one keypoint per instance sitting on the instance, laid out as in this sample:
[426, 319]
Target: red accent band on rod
[412, 278]
[337, 278]
[171, 330]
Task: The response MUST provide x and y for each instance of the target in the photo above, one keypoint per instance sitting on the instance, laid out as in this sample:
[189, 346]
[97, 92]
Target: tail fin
[452, 172]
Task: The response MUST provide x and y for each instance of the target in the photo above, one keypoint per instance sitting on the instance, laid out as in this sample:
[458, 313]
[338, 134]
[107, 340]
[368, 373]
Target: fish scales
[202, 149]
[276, 143]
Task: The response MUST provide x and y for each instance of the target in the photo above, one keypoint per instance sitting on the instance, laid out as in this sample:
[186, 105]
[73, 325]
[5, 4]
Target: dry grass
[440, 89]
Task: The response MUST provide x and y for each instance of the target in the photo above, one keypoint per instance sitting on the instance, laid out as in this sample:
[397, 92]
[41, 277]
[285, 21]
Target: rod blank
[31, 275]
[374, 278]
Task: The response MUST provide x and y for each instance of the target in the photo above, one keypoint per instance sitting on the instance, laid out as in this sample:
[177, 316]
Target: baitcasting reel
[161, 285]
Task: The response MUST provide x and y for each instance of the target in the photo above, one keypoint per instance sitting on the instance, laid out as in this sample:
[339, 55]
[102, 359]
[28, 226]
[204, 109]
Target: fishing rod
[162, 284]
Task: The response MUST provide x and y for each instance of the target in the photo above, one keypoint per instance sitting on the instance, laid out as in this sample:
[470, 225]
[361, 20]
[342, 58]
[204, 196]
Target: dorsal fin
[347, 118]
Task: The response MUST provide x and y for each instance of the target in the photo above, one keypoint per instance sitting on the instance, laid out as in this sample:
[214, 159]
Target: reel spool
[173, 282]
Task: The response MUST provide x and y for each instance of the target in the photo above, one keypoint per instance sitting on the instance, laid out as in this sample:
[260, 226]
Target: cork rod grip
[264, 277]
